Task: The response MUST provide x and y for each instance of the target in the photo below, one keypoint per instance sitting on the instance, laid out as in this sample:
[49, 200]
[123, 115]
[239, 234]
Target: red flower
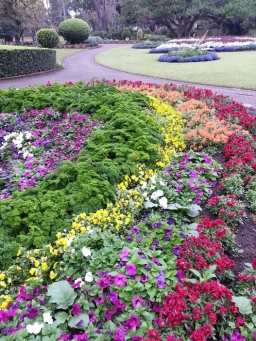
[153, 333]
[197, 315]
[240, 321]
[254, 264]
[222, 211]
[223, 310]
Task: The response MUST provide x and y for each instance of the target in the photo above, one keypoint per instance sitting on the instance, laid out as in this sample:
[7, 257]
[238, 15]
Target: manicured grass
[60, 53]
[234, 69]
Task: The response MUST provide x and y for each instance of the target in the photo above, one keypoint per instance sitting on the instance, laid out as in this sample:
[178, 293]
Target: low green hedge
[17, 62]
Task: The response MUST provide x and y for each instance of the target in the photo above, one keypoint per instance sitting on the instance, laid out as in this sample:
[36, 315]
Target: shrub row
[25, 61]
[34, 216]
[145, 46]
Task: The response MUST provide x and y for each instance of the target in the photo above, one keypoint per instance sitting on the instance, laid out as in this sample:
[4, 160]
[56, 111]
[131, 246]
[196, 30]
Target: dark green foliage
[9, 249]
[126, 33]
[74, 31]
[47, 37]
[34, 216]
[96, 34]
[8, 29]
[25, 61]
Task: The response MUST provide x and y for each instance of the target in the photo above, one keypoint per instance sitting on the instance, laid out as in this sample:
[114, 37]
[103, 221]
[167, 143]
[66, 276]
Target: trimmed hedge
[145, 46]
[74, 31]
[24, 61]
[47, 37]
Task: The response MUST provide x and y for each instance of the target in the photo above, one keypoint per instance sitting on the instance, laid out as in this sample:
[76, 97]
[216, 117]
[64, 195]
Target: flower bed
[179, 59]
[142, 267]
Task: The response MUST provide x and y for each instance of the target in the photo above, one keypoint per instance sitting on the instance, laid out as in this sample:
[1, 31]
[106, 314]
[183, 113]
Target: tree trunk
[101, 14]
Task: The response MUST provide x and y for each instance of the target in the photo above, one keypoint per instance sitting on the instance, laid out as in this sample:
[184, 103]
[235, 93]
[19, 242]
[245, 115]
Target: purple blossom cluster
[36, 142]
[210, 56]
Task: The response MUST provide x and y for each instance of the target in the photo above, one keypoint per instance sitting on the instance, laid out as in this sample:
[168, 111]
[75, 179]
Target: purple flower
[79, 323]
[99, 300]
[76, 310]
[176, 250]
[178, 188]
[131, 269]
[167, 233]
[113, 296]
[157, 307]
[137, 300]
[161, 280]
[200, 169]
[92, 317]
[137, 338]
[183, 164]
[135, 230]
[7, 331]
[138, 240]
[133, 322]
[108, 314]
[144, 279]
[170, 220]
[103, 283]
[120, 280]
[146, 266]
[101, 274]
[179, 275]
[80, 337]
[182, 235]
[207, 159]
[155, 225]
[154, 260]
[178, 174]
[65, 337]
[124, 254]
[119, 334]
[193, 173]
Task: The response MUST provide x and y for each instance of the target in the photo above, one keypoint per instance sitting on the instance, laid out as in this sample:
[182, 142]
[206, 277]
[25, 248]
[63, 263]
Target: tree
[8, 30]
[25, 14]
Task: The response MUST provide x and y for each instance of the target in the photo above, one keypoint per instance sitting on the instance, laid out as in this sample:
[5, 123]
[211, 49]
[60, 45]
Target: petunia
[119, 334]
[137, 300]
[47, 318]
[163, 202]
[88, 277]
[86, 252]
[34, 328]
[120, 280]
[131, 269]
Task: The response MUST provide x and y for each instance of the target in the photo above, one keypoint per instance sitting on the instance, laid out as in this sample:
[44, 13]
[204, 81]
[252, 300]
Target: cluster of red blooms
[226, 109]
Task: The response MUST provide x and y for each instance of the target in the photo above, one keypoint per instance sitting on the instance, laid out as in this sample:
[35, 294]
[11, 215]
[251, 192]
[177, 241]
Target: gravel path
[82, 66]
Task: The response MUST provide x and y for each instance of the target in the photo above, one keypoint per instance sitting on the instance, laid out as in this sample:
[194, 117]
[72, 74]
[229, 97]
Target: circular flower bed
[137, 262]
[210, 56]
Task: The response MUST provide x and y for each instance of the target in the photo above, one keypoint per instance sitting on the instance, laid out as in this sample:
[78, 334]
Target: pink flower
[131, 269]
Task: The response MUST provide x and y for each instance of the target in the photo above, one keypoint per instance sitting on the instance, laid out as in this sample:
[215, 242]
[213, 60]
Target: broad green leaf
[149, 204]
[61, 317]
[76, 319]
[195, 272]
[243, 303]
[62, 294]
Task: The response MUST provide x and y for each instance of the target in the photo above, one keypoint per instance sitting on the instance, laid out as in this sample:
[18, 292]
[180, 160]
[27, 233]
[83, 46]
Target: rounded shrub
[126, 33]
[74, 31]
[139, 34]
[47, 37]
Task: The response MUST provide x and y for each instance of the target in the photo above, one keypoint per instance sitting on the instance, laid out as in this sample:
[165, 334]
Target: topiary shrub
[126, 33]
[139, 34]
[74, 31]
[47, 37]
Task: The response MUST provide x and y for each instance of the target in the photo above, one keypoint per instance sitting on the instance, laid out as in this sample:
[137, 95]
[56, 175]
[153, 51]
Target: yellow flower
[58, 235]
[37, 263]
[18, 253]
[44, 266]
[52, 275]
[2, 277]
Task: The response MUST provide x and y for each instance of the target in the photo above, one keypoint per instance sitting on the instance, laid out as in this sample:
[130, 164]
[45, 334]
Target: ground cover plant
[146, 265]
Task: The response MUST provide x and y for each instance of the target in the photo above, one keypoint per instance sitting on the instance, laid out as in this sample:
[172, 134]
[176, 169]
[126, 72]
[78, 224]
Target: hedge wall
[24, 61]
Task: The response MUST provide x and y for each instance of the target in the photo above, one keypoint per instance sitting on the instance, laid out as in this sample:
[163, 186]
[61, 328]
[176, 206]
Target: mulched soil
[245, 235]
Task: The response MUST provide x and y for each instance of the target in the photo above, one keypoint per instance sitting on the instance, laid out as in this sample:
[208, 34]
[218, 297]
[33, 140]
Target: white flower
[73, 251]
[157, 194]
[34, 328]
[86, 252]
[47, 318]
[70, 241]
[88, 277]
[162, 183]
[163, 202]
[153, 179]
[80, 281]
[152, 187]
[145, 194]
[144, 185]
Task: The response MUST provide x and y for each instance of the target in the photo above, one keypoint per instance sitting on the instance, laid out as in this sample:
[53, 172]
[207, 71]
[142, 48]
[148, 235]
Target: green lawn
[234, 69]
[60, 53]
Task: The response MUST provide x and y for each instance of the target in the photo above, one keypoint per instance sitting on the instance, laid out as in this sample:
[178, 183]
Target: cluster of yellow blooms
[171, 129]
[39, 264]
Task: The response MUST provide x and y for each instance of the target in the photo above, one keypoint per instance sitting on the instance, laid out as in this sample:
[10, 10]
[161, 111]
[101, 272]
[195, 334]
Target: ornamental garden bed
[121, 204]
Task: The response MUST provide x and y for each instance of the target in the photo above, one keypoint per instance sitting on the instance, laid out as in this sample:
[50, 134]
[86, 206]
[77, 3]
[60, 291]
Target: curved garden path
[82, 66]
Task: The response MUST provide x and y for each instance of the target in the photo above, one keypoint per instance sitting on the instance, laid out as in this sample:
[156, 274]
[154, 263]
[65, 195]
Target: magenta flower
[76, 310]
[80, 337]
[133, 322]
[137, 338]
[113, 296]
[124, 254]
[103, 283]
[137, 300]
[131, 269]
[120, 280]
[92, 317]
[119, 334]
[108, 314]
[99, 300]
[64, 337]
